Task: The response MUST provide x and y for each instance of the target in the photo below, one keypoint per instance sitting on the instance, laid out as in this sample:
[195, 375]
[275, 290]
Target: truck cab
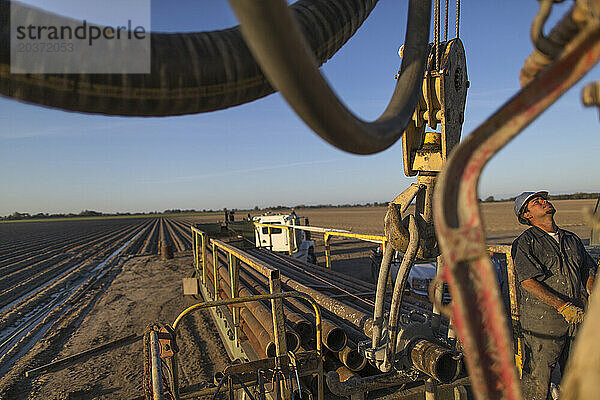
[277, 239]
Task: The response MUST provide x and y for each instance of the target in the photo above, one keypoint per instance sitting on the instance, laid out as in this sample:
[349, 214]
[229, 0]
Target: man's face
[537, 208]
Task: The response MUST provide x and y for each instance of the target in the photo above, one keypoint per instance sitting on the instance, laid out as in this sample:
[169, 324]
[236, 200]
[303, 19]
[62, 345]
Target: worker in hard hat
[553, 268]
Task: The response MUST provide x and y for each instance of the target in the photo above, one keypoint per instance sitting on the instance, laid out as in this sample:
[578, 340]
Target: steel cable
[457, 17]
[436, 33]
[446, 21]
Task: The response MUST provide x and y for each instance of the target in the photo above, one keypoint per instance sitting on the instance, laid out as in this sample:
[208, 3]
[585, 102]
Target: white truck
[278, 239]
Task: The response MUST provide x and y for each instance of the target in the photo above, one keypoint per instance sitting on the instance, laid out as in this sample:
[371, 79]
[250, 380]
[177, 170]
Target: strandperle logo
[80, 37]
[83, 32]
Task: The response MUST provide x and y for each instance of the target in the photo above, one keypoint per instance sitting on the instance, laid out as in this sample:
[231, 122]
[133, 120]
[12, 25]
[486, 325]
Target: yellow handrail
[327, 234]
[371, 238]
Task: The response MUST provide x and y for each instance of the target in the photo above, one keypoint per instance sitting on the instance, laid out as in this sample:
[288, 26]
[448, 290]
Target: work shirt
[561, 266]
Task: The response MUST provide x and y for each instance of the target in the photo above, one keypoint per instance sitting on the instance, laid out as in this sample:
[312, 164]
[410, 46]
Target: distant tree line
[281, 207]
[91, 213]
[572, 196]
[84, 213]
[373, 204]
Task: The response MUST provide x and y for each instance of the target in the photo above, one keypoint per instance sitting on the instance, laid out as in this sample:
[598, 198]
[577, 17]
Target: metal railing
[279, 341]
[201, 243]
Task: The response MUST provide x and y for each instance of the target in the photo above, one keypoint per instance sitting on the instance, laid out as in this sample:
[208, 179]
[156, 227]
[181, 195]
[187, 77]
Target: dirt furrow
[123, 309]
[18, 286]
[174, 238]
[150, 243]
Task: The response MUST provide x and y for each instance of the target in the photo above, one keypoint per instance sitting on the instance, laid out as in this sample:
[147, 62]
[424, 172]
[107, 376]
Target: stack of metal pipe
[347, 305]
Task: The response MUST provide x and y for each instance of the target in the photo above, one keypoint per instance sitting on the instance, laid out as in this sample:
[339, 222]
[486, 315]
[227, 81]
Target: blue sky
[262, 154]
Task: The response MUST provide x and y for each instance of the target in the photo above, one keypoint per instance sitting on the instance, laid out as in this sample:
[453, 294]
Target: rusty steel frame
[476, 309]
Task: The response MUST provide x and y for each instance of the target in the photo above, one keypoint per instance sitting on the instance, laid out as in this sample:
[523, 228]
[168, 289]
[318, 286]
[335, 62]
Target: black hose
[285, 56]
[190, 72]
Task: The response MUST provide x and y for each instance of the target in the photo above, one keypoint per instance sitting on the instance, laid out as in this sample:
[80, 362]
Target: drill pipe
[260, 349]
[297, 322]
[351, 358]
[435, 360]
[276, 262]
[346, 374]
[259, 338]
[318, 272]
[353, 314]
[261, 314]
[344, 311]
[219, 375]
[333, 337]
[439, 366]
[294, 275]
[266, 319]
[259, 329]
[344, 282]
[301, 270]
[316, 283]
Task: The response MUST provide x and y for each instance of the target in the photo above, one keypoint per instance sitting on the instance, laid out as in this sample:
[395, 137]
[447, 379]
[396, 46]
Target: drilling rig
[288, 335]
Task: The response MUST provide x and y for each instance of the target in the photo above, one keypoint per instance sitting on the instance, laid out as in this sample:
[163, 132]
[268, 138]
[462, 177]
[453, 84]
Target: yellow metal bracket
[328, 235]
[442, 101]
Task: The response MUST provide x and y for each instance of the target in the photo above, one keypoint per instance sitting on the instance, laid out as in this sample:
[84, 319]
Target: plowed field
[71, 285]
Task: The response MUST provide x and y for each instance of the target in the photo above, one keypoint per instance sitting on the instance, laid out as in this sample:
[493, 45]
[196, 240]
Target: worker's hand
[571, 313]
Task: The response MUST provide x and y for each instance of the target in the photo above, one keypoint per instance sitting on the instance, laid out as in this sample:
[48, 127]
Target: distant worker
[552, 266]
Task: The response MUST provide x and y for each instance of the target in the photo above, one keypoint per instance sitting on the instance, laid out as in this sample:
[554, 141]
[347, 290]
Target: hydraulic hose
[407, 262]
[393, 224]
[190, 72]
[285, 56]
[384, 271]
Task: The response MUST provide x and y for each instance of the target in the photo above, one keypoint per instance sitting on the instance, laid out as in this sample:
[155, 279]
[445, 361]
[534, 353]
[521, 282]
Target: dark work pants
[541, 355]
